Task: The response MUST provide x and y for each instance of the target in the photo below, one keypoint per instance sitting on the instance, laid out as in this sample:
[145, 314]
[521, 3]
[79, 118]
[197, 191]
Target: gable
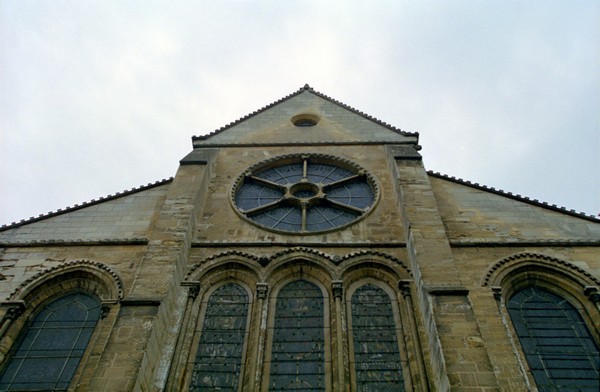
[472, 213]
[335, 123]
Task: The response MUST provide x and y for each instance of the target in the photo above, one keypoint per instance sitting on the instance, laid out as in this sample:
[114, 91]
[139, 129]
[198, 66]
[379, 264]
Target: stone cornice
[317, 244]
[475, 243]
[74, 242]
[308, 144]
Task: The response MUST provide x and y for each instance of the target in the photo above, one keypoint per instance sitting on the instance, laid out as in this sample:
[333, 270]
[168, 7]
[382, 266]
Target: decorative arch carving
[318, 259]
[546, 279]
[244, 260]
[300, 251]
[512, 265]
[354, 259]
[109, 289]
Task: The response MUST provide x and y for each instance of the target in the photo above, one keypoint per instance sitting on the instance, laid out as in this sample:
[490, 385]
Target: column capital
[593, 293]
[193, 288]
[337, 288]
[261, 290]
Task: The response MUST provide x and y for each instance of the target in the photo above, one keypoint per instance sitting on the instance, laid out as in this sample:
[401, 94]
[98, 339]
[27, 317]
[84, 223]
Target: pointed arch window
[220, 352]
[558, 346]
[298, 353]
[377, 364]
[50, 348]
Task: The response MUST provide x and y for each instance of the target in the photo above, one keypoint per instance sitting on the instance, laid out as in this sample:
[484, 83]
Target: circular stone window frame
[288, 159]
[305, 120]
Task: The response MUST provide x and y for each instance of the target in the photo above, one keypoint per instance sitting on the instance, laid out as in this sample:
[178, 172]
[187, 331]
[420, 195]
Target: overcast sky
[101, 96]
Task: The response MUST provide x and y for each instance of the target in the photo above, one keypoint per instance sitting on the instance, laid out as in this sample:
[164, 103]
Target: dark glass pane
[556, 341]
[255, 195]
[298, 355]
[326, 174]
[55, 338]
[287, 174]
[280, 218]
[51, 347]
[376, 353]
[219, 357]
[355, 194]
[323, 218]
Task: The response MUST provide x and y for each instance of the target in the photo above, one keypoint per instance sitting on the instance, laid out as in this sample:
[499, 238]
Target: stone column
[175, 380]
[421, 383]
[340, 363]
[260, 336]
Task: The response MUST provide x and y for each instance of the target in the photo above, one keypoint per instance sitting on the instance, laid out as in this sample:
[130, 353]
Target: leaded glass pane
[298, 354]
[51, 347]
[561, 353]
[253, 195]
[287, 174]
[281, 218]
[323, 218]
[325, 174]
[376, 353]
[356, 194]
[219, 357]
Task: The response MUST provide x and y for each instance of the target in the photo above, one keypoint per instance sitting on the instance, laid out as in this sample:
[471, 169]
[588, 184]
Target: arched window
[560, 351]
[50, 348]
[298, 353]
[376, 353]
[220, 351]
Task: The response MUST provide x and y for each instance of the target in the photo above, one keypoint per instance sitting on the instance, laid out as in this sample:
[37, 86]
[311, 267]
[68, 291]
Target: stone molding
[502, 268]
[75, 242]
[108, 277]
[259, 263]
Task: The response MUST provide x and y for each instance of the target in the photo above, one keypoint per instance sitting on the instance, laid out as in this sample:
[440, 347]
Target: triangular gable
[336, 123]
[476, 213]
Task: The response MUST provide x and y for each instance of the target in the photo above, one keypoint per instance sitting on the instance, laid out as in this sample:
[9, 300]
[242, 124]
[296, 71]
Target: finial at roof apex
[306, 86]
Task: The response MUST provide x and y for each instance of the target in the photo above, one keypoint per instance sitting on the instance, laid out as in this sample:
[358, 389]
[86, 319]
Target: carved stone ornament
[261, 290]
[193, 288]
[404, 286]
[14, 309]
[592, 293]
[337, 289]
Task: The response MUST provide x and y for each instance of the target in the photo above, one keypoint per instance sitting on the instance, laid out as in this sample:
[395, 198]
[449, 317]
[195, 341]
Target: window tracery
[299, 327]
[52, 345]
[376, 352]
[219, 357]
[560, 351]
[298, 352]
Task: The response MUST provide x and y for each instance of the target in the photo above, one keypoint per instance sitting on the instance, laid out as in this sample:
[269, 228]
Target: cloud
[100, 97]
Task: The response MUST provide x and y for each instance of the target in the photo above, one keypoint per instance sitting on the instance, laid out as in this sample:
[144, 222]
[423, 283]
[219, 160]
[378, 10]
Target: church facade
[302, 247]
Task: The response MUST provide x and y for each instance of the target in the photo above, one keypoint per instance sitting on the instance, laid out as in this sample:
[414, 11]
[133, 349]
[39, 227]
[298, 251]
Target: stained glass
[219, 357]
[297, 357]
[51, 347]
[561, 353]
[376, 354]
[304, 197]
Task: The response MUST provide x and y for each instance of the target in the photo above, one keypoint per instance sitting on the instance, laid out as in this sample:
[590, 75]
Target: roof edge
[510, 195]
[92, 202]
[306, 87]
